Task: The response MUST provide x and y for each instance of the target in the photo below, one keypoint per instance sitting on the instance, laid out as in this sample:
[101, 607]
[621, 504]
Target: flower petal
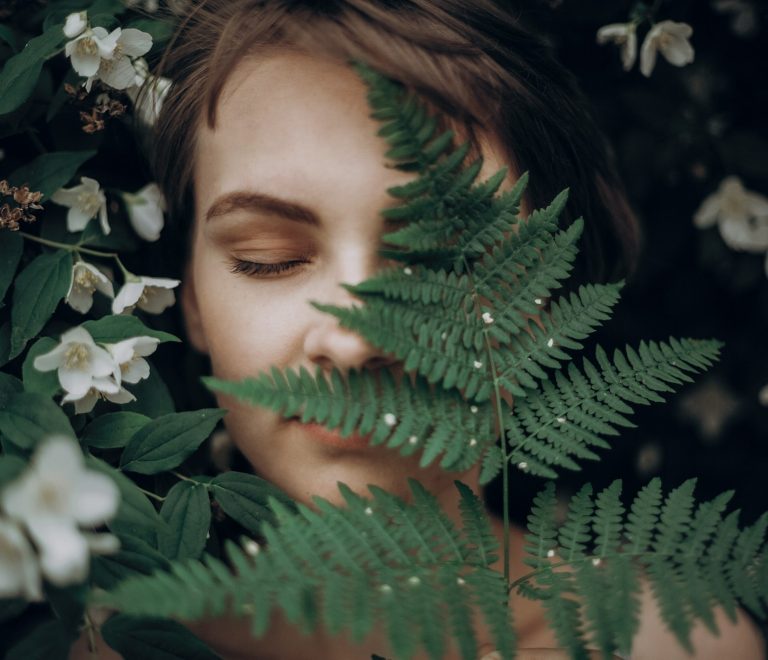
[157, 300]
[134, 42]
[75, 382]
[19, 573]
[94, 499]
[75, 23]
[648, 53]
[77, 219]
[118, 73]
[135, 370]
[128, 296]
[707, 213]
[64, 552]
[51, 360]
[86, 64]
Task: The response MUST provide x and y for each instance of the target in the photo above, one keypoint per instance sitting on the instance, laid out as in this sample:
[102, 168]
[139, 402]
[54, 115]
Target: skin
[297, 128]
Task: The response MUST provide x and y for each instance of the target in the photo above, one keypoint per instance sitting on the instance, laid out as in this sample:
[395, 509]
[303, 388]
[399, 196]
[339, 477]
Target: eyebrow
[242, 200]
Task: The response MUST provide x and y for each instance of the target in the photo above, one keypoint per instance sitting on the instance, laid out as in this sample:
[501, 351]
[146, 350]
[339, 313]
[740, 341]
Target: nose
[327, 344]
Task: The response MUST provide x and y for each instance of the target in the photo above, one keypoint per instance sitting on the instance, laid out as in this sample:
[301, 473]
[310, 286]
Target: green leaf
[187, 512]
[43, 382]
[136, 516]
[11, 247]
[153, 639]
[49, 172]
[29, 417]
[9, 36]
[20, 73]
[5, 342]
[8, 385]
[10, 608]
[136, 557]
[152, 396]
[113, 430]
[10, 468]
[245, 497]
[161, 31]
[49, 641]
[36, 294]
[166, 441]
[115, 328]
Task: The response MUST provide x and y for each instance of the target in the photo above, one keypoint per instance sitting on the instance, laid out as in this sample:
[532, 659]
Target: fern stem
[500, 419]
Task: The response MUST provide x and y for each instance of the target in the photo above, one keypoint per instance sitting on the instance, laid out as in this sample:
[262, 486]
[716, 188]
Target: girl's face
[288, 190]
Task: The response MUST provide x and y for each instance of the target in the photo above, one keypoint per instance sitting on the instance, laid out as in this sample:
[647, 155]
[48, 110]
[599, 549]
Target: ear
[191, 311]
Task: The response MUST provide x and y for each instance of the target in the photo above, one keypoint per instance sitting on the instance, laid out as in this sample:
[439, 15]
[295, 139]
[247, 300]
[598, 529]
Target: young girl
[271, 163]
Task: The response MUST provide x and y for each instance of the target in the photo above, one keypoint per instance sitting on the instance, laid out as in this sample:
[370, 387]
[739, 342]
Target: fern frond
[693, 560]
[559, 422]
[376, 559]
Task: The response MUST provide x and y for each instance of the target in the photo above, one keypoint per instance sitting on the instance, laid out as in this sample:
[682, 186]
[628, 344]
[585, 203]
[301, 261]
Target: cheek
[248, 326]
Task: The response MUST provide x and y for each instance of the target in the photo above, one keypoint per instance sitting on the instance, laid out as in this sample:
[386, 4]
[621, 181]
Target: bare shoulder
[740, 640]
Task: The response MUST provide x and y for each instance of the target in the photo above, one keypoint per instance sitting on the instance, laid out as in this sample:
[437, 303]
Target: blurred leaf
[8, 385]
[10, 468]
[20, 73]
[36, 294]
[29, 417]
[49, 172]
[187, 511]
[153, 639]
[10, 608]
[49, 641]
[11, 248]
[166, 441]
[135, 557]
[43, 382]
[113, 430]
[9, 36]
[116, 327]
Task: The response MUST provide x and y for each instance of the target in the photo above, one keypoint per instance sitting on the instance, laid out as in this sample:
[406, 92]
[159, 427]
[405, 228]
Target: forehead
[294, 125]
[284, 117]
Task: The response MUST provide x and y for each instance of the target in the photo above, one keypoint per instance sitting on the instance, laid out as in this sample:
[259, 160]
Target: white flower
[741, 215]
[89, 48]
[106, 389]
[624, 35]
[19, 572]
[118, 70]
[671, 39]
[84, 202]
[75, 24]
[152, 294]
[130, 354]
[147, 98]
[145, 211]
[86, 279]
[54, 496]
[81, 364]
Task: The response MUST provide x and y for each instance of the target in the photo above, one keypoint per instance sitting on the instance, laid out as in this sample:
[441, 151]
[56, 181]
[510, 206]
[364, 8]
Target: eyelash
[257, 269]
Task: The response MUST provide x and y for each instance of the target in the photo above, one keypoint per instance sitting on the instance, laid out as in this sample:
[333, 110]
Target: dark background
[676, 135]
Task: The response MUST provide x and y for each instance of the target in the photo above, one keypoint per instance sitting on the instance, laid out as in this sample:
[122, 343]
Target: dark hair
[471, 59]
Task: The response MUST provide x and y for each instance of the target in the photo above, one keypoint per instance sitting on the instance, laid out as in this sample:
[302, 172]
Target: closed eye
[258, 269]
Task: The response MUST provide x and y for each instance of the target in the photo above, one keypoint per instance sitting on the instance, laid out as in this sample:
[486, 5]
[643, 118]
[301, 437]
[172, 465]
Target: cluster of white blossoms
[741, 215]
[669, 38]
[88, 372]
[100, 55]
[85, 201]
[150, 294]
[115, 58]
[48, 503]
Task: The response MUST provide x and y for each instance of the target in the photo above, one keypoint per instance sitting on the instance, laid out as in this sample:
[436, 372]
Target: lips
[321, 434]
